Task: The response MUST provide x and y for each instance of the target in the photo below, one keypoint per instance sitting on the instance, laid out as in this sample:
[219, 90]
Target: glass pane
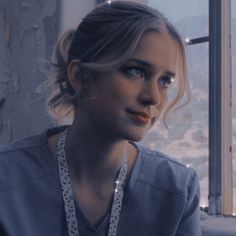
[233, 28]
[193, 22]
[187, 138]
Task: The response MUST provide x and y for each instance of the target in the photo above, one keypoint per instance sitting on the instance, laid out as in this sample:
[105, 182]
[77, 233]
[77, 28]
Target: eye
[134, 72]
[165, 81]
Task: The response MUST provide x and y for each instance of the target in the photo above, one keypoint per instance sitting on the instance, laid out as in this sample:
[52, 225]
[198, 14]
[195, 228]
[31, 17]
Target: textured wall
[73, 11]
[28, 30]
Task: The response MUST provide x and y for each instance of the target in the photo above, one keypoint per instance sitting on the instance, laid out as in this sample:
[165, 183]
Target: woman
[114, 74]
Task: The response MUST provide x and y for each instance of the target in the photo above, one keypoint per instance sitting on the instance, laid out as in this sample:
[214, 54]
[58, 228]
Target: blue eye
[165, 81]
[133, 71]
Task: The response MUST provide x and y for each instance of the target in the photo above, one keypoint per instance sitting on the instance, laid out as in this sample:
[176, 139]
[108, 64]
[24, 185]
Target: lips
[139, 116]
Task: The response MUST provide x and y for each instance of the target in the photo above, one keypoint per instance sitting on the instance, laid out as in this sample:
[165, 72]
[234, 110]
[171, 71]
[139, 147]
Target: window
[187, 138]
[189, 141]
[196, 142]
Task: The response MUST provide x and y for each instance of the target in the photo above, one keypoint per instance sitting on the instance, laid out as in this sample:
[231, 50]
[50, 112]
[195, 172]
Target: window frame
[220, 109]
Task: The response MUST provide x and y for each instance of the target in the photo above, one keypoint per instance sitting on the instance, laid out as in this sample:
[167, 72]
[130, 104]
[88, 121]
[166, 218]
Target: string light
[203, 204]
[188, 41]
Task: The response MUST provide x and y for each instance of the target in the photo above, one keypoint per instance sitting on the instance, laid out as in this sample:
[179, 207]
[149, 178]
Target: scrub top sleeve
[190, 223]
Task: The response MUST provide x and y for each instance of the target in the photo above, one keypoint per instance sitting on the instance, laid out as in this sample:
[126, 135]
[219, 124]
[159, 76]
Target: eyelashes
[166, 81]
[138, 72]
[134, 72]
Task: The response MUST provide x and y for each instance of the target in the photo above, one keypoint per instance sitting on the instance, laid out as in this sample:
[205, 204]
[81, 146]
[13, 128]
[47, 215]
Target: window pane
[193, 22]
[187, 138]
[233, 28]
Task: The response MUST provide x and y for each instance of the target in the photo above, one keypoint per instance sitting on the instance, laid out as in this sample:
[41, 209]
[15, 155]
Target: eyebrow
[149, 66]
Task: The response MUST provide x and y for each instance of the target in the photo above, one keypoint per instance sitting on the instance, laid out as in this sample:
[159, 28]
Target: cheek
[162, 104]
[162, 97]
[120, 92]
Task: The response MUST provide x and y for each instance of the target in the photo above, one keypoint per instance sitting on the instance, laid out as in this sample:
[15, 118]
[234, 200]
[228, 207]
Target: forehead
[159, 50]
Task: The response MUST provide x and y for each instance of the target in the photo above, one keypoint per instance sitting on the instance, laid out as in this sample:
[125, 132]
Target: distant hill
[197, 26]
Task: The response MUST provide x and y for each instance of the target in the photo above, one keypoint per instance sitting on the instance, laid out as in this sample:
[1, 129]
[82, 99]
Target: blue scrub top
[161, 197]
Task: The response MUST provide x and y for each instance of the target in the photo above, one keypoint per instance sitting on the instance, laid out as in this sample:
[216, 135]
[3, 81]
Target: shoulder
[20, 150]
[24, 160]
[166, 174]
[21, 144]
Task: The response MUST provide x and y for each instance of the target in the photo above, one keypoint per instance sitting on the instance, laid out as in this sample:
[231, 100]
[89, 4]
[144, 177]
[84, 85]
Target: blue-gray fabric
[161, 197]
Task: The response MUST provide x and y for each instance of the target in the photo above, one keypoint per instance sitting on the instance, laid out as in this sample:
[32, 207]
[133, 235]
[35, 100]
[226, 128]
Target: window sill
[218, 225]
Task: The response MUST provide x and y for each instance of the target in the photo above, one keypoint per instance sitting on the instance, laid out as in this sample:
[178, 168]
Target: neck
[92, 157]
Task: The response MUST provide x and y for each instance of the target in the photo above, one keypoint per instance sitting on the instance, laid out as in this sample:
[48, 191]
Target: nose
[150, 94]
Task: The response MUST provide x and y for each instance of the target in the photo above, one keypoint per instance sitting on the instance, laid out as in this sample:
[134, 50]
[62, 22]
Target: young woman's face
[127, 101]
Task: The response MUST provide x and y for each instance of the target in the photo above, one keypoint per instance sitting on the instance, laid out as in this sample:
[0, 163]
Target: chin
[136, 140]
[135, 136]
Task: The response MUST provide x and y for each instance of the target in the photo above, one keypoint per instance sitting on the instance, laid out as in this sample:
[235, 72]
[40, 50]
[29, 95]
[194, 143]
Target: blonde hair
[106, 38]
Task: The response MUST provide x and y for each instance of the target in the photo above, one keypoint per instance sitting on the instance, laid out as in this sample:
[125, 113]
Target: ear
[72, 74]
